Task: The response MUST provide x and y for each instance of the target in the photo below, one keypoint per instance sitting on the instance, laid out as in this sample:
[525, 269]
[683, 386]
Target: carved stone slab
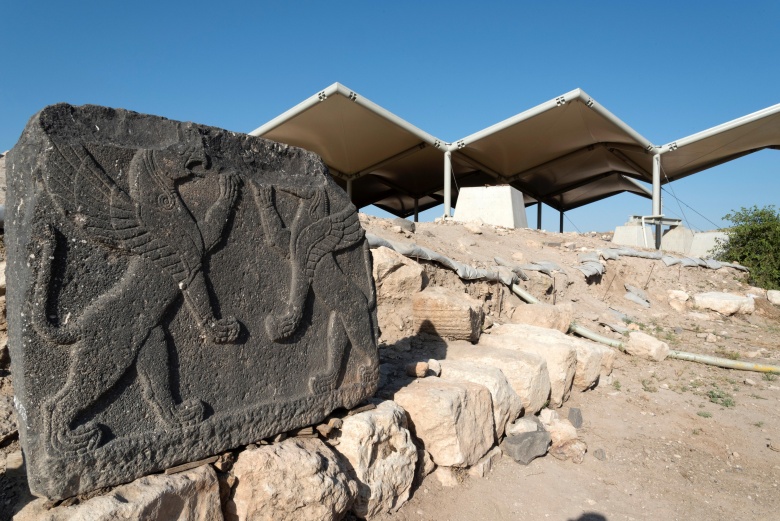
[175, 290]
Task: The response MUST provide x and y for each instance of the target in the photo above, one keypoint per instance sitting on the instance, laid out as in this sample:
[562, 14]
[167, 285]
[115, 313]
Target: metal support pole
[657, 198]
[539, 215]
[447, 183]
[349, 189]
[561, 225]
[416, 209]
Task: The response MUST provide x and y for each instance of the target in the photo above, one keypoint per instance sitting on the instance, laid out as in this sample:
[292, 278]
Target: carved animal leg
[196, 295]
[91, 374]
[279, 326]
[337, 344]
[154, 374]
[339, 293]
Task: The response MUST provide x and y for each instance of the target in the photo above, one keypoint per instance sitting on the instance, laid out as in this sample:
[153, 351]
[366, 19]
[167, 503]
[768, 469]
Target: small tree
[754, 242]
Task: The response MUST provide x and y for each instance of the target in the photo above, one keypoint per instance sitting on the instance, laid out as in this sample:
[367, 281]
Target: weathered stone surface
[608, 356]
[507, 405]
[299, 479]
[453, 420]
[522, 425]
[526, 447]
[678, 299]
[395, 276]
[590, 356]
[548, 415]
[2, 277]
[558, 351]
[773, 296]
[647, 347]
[545, 315]
[561, 431]
[724, 303]
[381, 456]
[446, 476]
[447, 313]
[575, 417]
[147, 259]
[525, 372]
[404, 224]
[573, 449]
[8, 426]
[416, 369]
[425, 464]
[187, 496]
[485, 465]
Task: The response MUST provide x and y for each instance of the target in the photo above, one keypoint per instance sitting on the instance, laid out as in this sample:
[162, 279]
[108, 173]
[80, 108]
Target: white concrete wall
[678, 239]
[496, 205]
[632, 235]
[704, 242]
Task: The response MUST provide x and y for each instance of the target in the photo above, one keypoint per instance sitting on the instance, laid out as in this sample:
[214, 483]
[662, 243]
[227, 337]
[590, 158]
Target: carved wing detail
[329, 234]
[94, 202]
[90, 198]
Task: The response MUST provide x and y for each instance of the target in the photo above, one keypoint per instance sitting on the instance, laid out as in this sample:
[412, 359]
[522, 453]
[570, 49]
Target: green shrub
[754, 242]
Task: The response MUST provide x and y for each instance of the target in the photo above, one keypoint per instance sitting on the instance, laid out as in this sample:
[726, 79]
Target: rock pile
[452, 396]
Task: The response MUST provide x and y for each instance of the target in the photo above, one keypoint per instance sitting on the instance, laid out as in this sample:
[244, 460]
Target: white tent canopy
[567, 152]
[722, 143]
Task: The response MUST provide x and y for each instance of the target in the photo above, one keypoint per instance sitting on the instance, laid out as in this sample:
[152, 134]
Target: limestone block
[395, 276]
[678, 300]
[404, 224]
[561, 431]
[188, 496]
[573, 449]
[724, 303]
[545, 315]
[647, 347]
[416, 369]
[547, 415]
[773, 296]
[454, 420]
[485, 465]
[507, 405]
[193, 253]
[298, 479]
[447, 313]
[608, 356]
[558, 350]
[522, 425]
[525, 372]
[589, 359]
[382, 458]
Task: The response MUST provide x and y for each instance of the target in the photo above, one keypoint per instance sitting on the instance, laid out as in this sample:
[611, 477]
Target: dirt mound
[667, 440]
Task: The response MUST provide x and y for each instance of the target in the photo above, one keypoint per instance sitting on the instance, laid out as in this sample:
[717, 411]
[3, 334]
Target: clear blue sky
[668, 69]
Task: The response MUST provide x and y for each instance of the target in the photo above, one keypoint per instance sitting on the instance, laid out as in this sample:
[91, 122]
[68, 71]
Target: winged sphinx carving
[166, 248]
[310, 242]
